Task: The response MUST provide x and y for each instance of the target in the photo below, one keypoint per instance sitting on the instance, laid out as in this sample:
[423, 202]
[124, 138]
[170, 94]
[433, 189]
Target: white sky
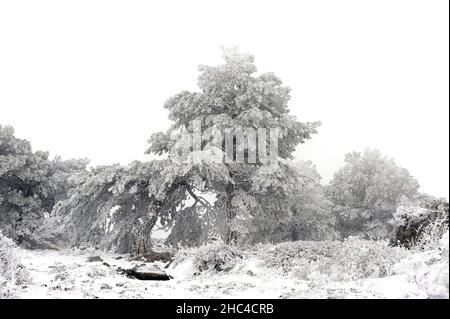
[89, 78]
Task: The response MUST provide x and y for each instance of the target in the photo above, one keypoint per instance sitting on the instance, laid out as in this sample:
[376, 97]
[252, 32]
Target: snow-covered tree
[232, 96]
[106, 208]
[366, 192]
[312, 218]
[308, 216]
[30, 185]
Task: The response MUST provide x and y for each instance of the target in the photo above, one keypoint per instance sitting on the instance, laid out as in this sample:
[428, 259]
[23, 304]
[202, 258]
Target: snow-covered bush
[358, 259]
[421, 226]
[429, 269]
[216, 257]
[351, 259]
[12, 273]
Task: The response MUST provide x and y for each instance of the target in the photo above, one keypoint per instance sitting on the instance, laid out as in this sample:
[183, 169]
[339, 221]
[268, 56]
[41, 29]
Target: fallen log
[144, 275]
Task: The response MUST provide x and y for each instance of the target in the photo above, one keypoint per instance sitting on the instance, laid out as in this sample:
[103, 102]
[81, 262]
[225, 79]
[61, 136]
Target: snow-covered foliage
[311, 212]
[214, 257]
[429, 269]
[106, 209]
[421, 225]
[12, 272]
[351, 259]
[30, 185]
[330, 260]
[366, 193]
[353, 268]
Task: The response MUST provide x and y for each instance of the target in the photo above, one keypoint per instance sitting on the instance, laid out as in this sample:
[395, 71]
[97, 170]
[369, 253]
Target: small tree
[366, 192]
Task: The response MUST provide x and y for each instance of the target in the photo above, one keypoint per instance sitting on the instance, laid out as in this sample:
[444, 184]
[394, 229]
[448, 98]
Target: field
[351, 269]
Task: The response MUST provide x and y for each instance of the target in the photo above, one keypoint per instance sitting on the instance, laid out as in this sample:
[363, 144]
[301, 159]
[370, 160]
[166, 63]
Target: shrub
[421, 226]
[216, 257]
[429, 269]
[351, 259]
[12, 273]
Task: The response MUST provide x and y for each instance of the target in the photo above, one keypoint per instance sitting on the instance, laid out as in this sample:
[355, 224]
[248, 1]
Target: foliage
[366, 192]
[216, 257]
[194, 225]
[351, 259]
[422, 225]
[309, 214]
[30, 185]
[12, 273]
[109, 206]
[312, 218]
[317, 261]
[429, 269]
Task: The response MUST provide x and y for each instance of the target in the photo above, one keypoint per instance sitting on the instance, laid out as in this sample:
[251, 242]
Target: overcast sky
[89, 78]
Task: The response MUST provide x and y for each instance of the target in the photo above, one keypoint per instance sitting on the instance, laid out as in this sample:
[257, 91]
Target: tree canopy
[367, 191]
[30, 185]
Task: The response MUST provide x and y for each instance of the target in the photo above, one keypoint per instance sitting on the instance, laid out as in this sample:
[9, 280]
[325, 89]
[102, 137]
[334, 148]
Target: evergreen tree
[232, 97]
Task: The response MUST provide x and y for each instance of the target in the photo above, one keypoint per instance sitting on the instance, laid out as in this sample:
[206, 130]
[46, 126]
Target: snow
[67, 274]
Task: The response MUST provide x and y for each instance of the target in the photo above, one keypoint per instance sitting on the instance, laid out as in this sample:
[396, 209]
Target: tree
[312, 218]
[231, 97]
[107, 208]
[308, 216]
[366, 192]
[30, 185]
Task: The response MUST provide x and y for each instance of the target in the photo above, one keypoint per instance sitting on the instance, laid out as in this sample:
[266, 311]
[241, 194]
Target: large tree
[231, 96]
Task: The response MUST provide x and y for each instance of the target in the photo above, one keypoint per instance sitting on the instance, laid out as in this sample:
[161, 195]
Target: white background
[89, 78]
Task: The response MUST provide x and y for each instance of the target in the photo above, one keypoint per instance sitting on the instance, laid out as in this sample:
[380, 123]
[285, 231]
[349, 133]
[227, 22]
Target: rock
[145, 273]
[94, 259]
[105, 286]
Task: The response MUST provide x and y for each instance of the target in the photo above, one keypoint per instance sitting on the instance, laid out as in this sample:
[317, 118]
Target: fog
[89, 78]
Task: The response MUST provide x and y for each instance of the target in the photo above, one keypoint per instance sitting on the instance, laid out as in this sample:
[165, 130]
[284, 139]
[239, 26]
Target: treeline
[56, 203]
[117, 207]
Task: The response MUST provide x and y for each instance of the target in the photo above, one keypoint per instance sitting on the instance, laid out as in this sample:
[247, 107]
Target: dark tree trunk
[231, 235]
[143, 243]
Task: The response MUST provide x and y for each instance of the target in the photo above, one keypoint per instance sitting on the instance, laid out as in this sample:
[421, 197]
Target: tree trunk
[143, 243]
[232, 235]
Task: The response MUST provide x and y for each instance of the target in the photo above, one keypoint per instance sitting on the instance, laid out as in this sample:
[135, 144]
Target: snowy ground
[68, 274]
